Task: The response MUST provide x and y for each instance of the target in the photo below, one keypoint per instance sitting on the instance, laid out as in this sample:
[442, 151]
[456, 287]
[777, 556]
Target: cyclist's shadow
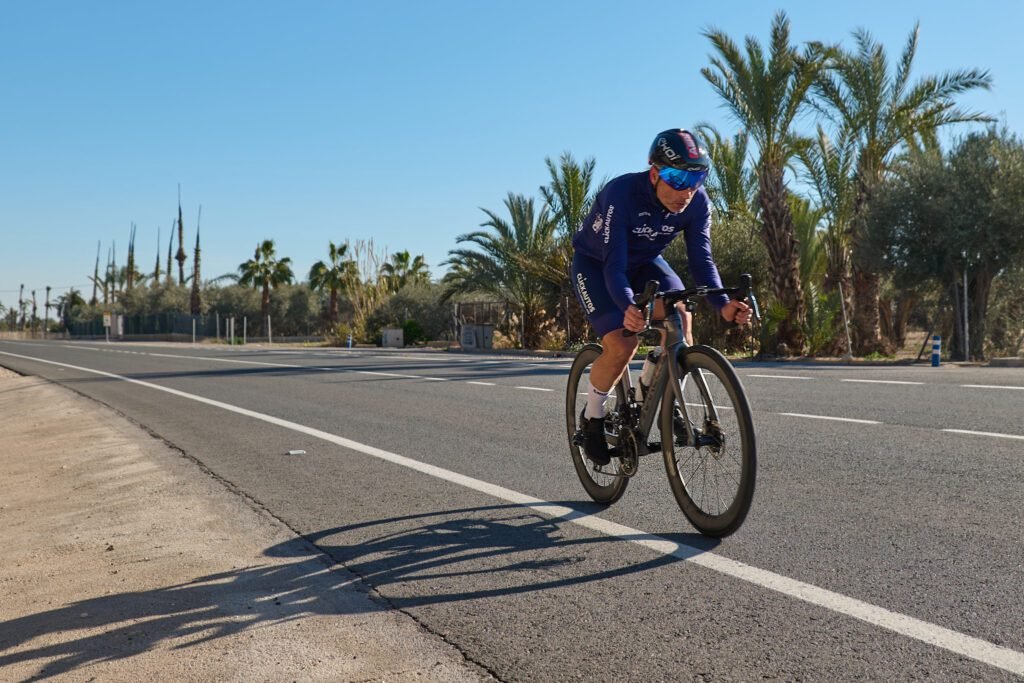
[422, 559]
[482, 552]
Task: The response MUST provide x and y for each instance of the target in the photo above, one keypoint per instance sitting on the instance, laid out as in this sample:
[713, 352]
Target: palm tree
[333, 275]
[496, 265]
[403, 269]
[264, 270]
[885, 113]
[765, 96]
[732, 184]
[568, 196]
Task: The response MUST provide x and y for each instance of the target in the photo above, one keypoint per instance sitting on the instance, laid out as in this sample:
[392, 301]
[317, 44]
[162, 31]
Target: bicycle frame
[672, 340]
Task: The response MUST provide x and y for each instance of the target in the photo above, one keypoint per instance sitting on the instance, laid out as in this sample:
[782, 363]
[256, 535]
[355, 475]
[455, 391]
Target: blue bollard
[350, 341]
[936, 350]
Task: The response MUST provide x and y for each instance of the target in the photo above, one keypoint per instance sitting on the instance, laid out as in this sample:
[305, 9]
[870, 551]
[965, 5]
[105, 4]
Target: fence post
[218, 325]
[245, 330]
[270, 336]
[936, 350]
[193, 331]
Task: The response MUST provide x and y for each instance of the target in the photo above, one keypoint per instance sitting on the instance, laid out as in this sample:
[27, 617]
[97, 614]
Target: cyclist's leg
[660, 270]
[606, 319]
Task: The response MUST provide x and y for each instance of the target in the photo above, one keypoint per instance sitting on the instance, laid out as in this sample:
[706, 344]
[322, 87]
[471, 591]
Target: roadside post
[936, 350]
[193, 331]
[350, 340]
[245, 329]
[106, 325]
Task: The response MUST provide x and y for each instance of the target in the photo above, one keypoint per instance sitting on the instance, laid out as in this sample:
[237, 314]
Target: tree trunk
[886, 325]
[867, 329]
[779, 238]
[333, 311]
[905, 303]
[265, 305]
[978, 291]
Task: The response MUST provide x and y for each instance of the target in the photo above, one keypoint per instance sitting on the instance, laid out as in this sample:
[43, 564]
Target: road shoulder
[124, 560]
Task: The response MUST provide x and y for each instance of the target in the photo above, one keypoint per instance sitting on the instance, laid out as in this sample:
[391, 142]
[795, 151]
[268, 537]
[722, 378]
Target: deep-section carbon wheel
[711, 455]
[602, 487]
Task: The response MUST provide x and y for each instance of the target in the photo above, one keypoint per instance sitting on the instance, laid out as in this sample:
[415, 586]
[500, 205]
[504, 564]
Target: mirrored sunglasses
[678, 179]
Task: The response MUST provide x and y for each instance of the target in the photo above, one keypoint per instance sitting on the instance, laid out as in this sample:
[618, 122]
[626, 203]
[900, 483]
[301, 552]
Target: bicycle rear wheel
[602, 487]
[708, 442]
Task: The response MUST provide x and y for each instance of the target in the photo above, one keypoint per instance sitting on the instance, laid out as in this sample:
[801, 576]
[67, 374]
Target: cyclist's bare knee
[616, 354]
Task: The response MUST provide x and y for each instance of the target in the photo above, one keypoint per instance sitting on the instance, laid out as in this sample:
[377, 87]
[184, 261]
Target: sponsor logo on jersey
[598, 223]
[608, 223]
[652, 234]
[581, 287]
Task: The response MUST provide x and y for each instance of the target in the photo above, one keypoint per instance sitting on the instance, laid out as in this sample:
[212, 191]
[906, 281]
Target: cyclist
[618, 248]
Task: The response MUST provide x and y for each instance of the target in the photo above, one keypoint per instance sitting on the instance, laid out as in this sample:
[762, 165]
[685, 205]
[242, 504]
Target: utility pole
[46, 315]
[967, 333]
[35, 317]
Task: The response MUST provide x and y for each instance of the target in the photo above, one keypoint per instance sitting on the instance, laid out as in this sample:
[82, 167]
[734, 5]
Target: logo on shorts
[581, 287]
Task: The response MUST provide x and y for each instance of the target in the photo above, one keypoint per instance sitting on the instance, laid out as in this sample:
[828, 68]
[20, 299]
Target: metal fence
[157, 324]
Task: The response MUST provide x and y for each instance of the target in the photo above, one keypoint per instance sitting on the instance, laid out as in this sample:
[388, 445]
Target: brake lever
[646, 301]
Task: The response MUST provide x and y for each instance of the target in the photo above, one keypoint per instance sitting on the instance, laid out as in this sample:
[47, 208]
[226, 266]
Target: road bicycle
[705, 432]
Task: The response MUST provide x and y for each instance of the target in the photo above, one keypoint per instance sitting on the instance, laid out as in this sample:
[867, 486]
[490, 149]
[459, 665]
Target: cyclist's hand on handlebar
[736, 312]
[634, 320]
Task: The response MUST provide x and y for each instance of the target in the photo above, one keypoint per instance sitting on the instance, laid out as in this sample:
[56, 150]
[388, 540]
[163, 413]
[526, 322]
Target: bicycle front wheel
[708, 442]
[602, 487]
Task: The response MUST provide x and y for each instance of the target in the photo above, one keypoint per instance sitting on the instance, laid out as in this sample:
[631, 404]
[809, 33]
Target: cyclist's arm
[698, 253]
[615, 251]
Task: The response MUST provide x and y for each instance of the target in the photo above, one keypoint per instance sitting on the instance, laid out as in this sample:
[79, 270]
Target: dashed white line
[991, 386]
[482, 384]
[879, 381]
[938, 636]
[535, 388]
[996, 434]
[829, 417]
[780, 376]
[386, 374]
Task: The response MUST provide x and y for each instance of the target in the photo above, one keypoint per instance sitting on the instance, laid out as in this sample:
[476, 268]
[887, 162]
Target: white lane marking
[435, 379]
[997, 434]
[483, 384]
[926, 632]
[780, 376]
[879, 381]
[226, 360]
[990, 386]
[386, 374]
[534, 388]
[701, 405]
[838, 419]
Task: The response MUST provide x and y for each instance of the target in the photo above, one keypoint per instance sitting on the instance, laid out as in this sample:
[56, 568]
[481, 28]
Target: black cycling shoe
[595, 445]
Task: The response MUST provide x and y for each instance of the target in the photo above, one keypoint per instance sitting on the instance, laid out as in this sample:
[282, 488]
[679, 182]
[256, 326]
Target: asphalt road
[886, 541]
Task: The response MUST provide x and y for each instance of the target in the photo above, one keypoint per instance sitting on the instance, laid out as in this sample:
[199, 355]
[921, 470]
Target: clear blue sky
[316, 121]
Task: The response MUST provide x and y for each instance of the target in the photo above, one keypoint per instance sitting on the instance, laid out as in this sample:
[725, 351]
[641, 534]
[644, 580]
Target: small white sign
[106, 320]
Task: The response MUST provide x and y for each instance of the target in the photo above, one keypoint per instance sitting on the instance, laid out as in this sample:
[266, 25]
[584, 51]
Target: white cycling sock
[595, 402]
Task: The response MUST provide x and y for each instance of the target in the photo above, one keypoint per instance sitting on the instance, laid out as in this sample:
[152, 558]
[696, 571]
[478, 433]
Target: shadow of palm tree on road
[434, 557]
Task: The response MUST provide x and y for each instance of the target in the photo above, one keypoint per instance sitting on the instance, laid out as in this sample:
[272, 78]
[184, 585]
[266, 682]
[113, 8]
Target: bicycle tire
[602, 488]
[717, 455]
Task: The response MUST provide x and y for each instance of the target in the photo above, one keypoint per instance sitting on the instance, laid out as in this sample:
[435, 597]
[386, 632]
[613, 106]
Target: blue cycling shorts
[603, 313]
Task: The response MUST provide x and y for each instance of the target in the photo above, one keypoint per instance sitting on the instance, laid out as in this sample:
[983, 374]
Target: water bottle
[647, 372]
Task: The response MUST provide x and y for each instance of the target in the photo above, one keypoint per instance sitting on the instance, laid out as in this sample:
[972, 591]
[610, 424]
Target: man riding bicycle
[618, 249]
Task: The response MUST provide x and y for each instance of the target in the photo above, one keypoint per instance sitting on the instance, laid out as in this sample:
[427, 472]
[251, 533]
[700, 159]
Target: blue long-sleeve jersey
[628, 227]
